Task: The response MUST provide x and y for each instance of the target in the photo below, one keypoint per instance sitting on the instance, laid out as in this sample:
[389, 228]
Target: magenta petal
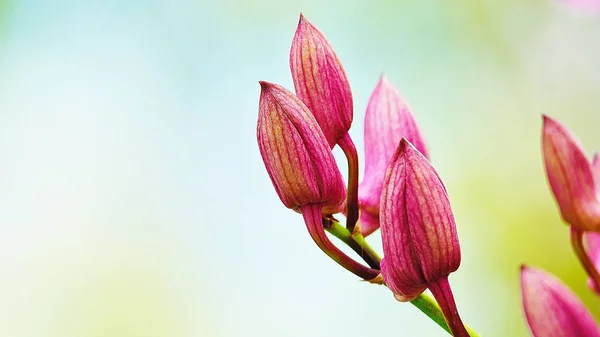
[570, 176]
[418, 231]
[551, 309]
[295, 152]
[368, 223]
[403, 292]
[592, 240]
[320, 81]
[388, 119]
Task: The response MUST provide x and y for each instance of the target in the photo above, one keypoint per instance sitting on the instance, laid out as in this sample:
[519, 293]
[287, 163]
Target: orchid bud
[551, 309]
[387, 120]
[420, 242]
[570, 176]
[295, 152]
[320, 81]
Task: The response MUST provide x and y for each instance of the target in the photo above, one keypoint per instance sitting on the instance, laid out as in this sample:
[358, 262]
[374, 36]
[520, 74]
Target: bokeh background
[134, 203]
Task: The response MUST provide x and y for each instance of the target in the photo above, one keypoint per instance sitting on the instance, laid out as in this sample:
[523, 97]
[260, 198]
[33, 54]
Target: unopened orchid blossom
[388, 119]
[551, 309]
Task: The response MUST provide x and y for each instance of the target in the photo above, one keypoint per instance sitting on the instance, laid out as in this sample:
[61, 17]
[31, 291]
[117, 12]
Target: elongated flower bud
[420, 242]
[570, 176]
[295, 152]
[387, 120]
[320, 81]
[551, 309]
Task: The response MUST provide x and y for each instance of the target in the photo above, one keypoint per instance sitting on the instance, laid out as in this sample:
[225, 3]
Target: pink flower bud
[387, 120]
[320, 81]
[420, 242]
[295, 152]
[551, 309]
[570, 176]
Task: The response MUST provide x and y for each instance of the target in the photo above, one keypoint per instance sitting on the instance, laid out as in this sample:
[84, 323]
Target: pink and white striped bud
[388, 119]
[295, 152]
[551, 309]
[570, 176]
[320, 81]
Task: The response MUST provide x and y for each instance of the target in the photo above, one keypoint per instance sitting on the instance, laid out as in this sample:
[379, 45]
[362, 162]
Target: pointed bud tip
[406, 146]
[383, 78]
[264, 85]
[302, 21]
[549, 122]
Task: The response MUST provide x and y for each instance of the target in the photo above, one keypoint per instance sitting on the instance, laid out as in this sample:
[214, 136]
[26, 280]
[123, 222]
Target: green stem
[357, 242]
[429, 307]
[314, 224]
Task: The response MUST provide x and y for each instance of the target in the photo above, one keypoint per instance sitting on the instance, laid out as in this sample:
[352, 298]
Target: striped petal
[295, 152]
[388, 119]
[320, 81]
[418, 230]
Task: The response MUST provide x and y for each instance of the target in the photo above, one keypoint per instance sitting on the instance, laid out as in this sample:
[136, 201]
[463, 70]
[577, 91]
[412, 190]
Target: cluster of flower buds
[551, 309]
[401, 192]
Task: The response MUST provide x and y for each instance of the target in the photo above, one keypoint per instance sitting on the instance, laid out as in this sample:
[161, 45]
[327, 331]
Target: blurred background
[134, 203]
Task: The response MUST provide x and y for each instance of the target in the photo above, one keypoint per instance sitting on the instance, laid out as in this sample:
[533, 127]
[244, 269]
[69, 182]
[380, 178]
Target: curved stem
[358, 244]
[578, 247]
[347, 145]
[443, 294]
[314, 224]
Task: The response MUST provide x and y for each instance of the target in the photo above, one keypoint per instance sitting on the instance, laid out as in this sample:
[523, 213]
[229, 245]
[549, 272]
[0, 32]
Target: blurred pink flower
[551, 309]
[570, 176]
[583, 4]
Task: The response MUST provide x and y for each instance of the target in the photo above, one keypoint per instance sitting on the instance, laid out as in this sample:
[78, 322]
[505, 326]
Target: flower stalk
[314, 224]
[443, 294]
[584, 258]
[347, 145]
